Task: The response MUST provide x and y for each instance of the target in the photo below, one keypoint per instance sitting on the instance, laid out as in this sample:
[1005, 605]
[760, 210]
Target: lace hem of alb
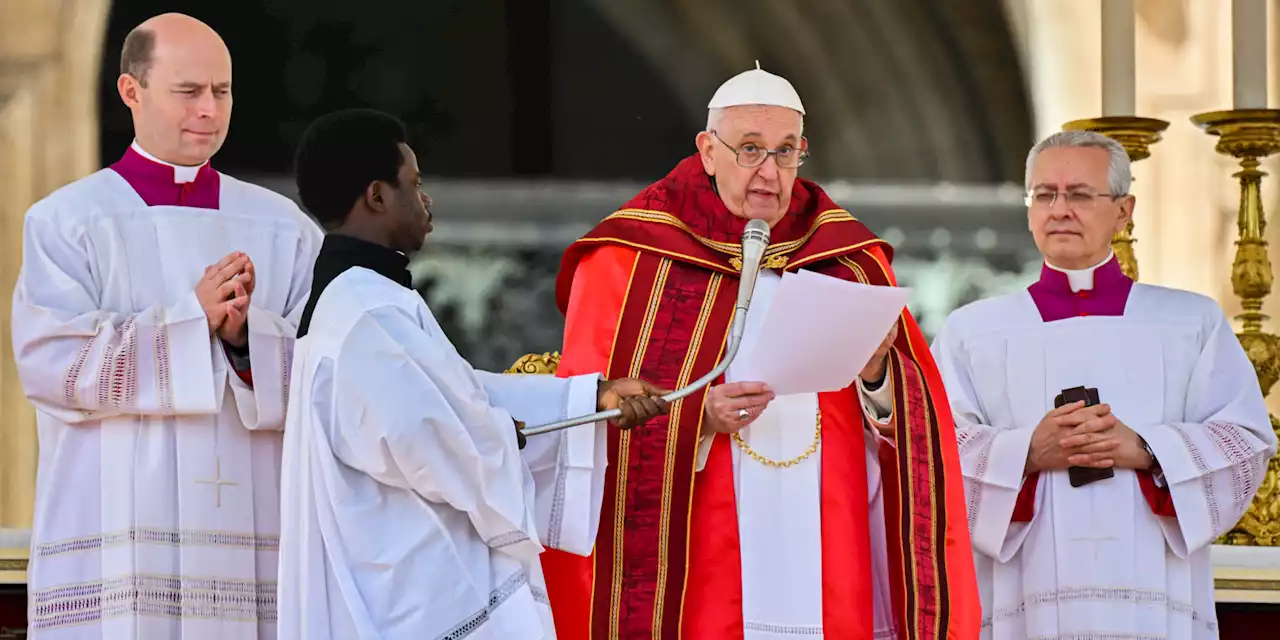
[145, 535]
[1117, 595]
[496, 598]
[805, 630]
[152, 595]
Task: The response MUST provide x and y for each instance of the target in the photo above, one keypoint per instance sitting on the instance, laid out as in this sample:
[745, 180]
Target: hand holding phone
[1080, 476]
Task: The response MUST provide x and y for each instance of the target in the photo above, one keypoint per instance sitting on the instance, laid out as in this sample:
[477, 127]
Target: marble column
[49, 58]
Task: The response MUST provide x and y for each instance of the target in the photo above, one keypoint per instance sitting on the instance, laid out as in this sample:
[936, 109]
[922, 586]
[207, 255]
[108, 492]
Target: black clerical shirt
[339, 253]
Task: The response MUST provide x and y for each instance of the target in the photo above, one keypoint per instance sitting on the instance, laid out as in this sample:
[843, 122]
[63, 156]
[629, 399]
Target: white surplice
[410, 512]
[780, 508]
[157, 495]
[1095, 561]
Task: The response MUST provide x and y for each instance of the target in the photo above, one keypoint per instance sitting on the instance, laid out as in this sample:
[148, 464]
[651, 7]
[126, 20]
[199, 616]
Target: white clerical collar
[181, 174]
[1081, 279]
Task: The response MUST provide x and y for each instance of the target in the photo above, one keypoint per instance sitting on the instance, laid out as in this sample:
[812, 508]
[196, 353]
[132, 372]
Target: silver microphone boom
[755, 238]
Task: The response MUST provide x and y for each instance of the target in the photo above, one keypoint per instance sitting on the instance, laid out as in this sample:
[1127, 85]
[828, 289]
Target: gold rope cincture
[817, 438]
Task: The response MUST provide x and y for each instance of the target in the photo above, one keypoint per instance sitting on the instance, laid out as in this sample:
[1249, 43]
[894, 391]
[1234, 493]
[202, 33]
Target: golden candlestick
[1250, 135]
[1136, 135]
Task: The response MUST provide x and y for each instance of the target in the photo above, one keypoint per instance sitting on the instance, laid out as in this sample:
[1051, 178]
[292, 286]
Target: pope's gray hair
[714, 116]
[1119, 175]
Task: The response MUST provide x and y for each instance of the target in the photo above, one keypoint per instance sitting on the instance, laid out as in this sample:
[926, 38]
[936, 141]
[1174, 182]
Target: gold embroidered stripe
[624, 454]
[673, 439]
[729, 248]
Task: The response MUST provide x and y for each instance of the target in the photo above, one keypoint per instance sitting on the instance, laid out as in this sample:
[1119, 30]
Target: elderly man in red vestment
[742, 514]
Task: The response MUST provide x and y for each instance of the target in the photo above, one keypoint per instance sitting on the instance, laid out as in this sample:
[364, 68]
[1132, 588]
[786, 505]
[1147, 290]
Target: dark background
[487, 87]
[909, 90]
[567, 100]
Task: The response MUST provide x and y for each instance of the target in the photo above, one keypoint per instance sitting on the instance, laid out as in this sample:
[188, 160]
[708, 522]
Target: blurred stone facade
[498, 304]
[924, 107]
[488, 272]
[49, 56]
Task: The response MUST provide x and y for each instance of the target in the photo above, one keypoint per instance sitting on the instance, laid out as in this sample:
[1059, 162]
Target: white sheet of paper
[819, 332]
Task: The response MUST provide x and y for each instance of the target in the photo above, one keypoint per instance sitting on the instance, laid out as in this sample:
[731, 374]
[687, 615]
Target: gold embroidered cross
[217, 481]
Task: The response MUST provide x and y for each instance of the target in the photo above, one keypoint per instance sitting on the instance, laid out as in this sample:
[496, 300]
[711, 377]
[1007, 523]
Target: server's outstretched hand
[639, 401]
[521, 439]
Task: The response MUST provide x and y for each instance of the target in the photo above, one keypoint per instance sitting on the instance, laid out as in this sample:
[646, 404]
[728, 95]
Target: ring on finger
[743, 414]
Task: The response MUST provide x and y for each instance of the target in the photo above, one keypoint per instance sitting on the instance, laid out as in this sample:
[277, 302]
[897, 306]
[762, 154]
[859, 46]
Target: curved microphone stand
[754, 240]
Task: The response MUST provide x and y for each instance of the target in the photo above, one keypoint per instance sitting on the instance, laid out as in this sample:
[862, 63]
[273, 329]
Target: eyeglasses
[752, 155]
[1079, 200]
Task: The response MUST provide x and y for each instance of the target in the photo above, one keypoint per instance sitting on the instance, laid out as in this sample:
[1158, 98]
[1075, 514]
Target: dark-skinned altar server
[413, 508]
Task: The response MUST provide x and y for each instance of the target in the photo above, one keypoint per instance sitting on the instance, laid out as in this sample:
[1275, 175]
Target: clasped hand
[1076, 435]
[224, 293]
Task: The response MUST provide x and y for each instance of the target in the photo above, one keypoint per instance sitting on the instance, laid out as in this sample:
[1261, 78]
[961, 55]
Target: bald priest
[1109, 431]
[153, 328]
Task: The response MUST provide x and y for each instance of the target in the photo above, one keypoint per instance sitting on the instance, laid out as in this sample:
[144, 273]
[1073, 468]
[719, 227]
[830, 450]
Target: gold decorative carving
[1260, 525]
[13, 565]
[1136, 135]
[536, 363]
[1249, 135]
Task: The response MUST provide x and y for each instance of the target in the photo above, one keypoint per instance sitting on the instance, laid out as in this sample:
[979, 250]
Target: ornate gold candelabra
[1250, 135]
[1136, 135]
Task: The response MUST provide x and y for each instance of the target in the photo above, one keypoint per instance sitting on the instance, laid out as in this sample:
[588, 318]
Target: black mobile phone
[1080, 476]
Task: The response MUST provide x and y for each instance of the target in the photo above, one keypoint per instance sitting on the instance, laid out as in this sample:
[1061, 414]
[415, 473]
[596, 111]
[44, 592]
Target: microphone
[755, 238]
